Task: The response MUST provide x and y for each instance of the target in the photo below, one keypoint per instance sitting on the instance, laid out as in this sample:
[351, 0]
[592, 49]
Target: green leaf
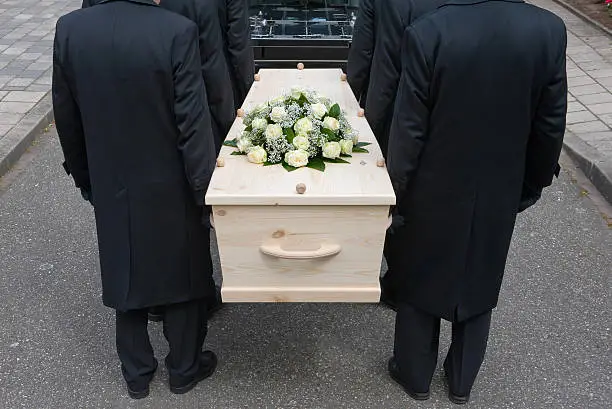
[330, 135]
[288, 167]
[357, 149]
[231, 142]
[362, 144]
[335, 111]
[345, 156]
[238, 153]
[268, 163]
[303, 100]
[289, 134]
[337, 160]
[317, 164]
[248, 128]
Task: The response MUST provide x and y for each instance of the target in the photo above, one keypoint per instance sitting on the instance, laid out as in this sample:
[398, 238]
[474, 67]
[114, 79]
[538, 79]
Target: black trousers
[417, 337]
[185, 328]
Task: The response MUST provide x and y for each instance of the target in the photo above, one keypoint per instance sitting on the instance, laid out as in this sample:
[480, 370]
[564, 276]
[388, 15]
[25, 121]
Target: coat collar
[472, 2]
[147, 2]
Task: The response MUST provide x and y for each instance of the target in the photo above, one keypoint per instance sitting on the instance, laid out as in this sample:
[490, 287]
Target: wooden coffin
[324, 245]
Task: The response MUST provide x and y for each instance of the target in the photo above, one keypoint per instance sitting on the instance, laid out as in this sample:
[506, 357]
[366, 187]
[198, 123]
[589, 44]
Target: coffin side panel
[355, 233]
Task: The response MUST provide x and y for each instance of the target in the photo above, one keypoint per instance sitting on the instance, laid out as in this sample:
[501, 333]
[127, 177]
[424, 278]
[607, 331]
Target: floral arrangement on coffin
[299, 129]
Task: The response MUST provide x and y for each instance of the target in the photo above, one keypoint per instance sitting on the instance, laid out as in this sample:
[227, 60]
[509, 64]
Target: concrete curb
[19, 139]
[584, 16]
[593, 164]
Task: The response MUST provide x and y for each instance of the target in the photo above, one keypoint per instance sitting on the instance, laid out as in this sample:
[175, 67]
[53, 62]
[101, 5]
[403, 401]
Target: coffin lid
[362, 182]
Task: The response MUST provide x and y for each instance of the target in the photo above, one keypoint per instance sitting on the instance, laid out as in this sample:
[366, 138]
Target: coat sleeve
[239, 47]
[214, 70]
[68, 122]
[548, 127]
[195, 140]
[409, 128]
[362, 49]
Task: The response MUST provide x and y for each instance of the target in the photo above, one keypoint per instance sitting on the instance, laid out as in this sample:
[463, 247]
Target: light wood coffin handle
[325, 250]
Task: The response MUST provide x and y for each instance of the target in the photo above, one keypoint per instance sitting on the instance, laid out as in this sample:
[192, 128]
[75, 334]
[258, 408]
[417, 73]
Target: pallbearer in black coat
[480, 114]
[133, 120]
[216, 74]
[374, 72]
[362, 49]
[234, 19]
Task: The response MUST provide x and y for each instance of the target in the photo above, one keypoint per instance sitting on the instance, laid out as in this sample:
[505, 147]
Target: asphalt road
[550, 343]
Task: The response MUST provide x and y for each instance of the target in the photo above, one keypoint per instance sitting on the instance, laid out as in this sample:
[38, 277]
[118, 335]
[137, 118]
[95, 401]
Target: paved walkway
[550, 341]
[589, 70]
[26, 48]
[26, 53]
[26, 41]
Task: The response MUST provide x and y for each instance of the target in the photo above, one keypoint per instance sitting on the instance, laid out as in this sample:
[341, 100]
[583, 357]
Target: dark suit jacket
[134, 125]
[480, 113]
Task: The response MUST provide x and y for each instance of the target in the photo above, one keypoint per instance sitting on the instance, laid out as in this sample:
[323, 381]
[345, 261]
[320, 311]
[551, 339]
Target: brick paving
[589, 70]
[26, 52]
[26, 43]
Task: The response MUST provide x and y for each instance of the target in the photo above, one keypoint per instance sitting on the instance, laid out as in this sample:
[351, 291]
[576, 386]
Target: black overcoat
[214, 65]
[235, 28]
[133, 121]
[361, 52]
[480, 111]
[392, 18]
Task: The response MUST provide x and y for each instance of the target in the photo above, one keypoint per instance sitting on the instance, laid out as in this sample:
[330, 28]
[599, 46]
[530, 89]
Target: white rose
[274, 131]
[331, 150]
[277, 100]
[259, 123]
[257, 154]
[318, 110]
[297, 158]
[303, 126]
[278, 114]
[355, 139]
[243, 144]
[261, 107]
[347, 146]
[301, 142]
[331, 123]
[296, 92]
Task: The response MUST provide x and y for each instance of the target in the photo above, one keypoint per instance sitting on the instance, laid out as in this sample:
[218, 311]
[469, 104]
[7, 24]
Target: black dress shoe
[396, 376]
[141, 393]
[454, 398]
[208, 364]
